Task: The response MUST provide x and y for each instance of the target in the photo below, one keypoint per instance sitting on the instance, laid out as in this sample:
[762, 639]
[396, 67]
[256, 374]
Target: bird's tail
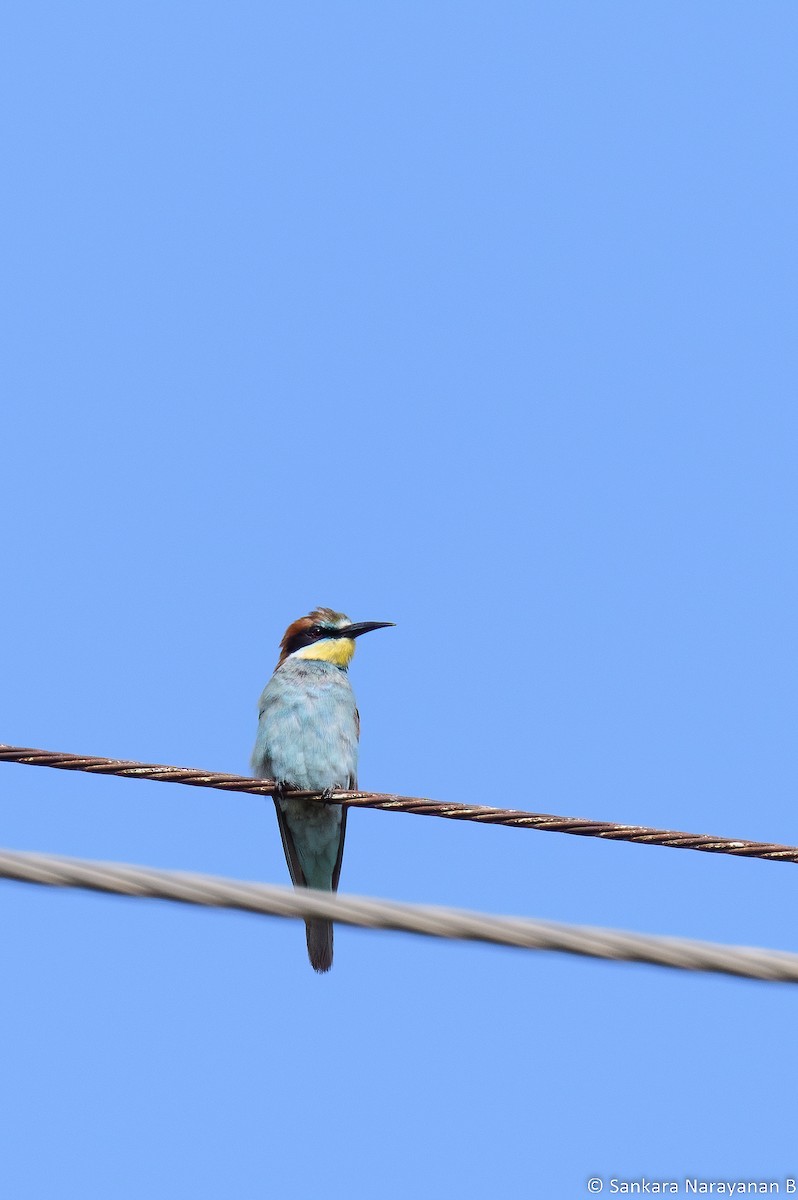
[320, 944]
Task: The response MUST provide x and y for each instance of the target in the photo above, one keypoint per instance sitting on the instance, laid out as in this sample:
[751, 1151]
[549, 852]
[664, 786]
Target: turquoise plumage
[308, 739]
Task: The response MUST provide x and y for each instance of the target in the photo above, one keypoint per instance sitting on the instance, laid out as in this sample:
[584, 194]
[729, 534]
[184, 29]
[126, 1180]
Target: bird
[308, 733]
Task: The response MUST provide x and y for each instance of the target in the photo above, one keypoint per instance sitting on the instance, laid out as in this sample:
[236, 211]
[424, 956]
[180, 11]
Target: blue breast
[307, 734]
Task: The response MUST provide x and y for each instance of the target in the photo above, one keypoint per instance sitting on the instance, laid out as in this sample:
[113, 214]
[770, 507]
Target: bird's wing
[291, 856]
[337, 868]
[351, 784]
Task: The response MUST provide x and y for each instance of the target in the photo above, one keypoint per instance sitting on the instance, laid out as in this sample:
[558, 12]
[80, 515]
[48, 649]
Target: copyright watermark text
[692, 1186]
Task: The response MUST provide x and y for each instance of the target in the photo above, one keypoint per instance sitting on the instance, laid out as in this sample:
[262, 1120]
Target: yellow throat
[332, 650]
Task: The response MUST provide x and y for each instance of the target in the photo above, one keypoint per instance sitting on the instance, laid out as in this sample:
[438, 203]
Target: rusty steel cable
[524, 932]
[515, 818]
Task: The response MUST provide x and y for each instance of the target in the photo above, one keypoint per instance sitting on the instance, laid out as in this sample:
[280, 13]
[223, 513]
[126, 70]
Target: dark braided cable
[386, 802]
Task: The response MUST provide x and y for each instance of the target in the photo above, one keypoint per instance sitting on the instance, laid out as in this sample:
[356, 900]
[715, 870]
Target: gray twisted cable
[484, 815]
[524, 932]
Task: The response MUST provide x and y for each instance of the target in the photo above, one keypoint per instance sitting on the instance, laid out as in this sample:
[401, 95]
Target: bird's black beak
[358, 627]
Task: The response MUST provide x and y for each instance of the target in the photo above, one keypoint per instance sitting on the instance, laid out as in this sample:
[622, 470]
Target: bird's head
[326, 636]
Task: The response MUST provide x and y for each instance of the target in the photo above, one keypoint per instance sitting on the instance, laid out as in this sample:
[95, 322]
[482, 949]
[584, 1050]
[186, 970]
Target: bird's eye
[316, 630]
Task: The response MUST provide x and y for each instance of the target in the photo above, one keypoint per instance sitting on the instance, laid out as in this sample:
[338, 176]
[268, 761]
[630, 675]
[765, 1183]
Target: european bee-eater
[308, 738]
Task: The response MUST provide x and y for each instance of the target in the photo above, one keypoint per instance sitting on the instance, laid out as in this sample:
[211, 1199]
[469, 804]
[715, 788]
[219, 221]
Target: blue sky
[477, 318]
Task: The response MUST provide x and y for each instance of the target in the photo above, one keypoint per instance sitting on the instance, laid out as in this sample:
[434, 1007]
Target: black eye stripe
[307, 637]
